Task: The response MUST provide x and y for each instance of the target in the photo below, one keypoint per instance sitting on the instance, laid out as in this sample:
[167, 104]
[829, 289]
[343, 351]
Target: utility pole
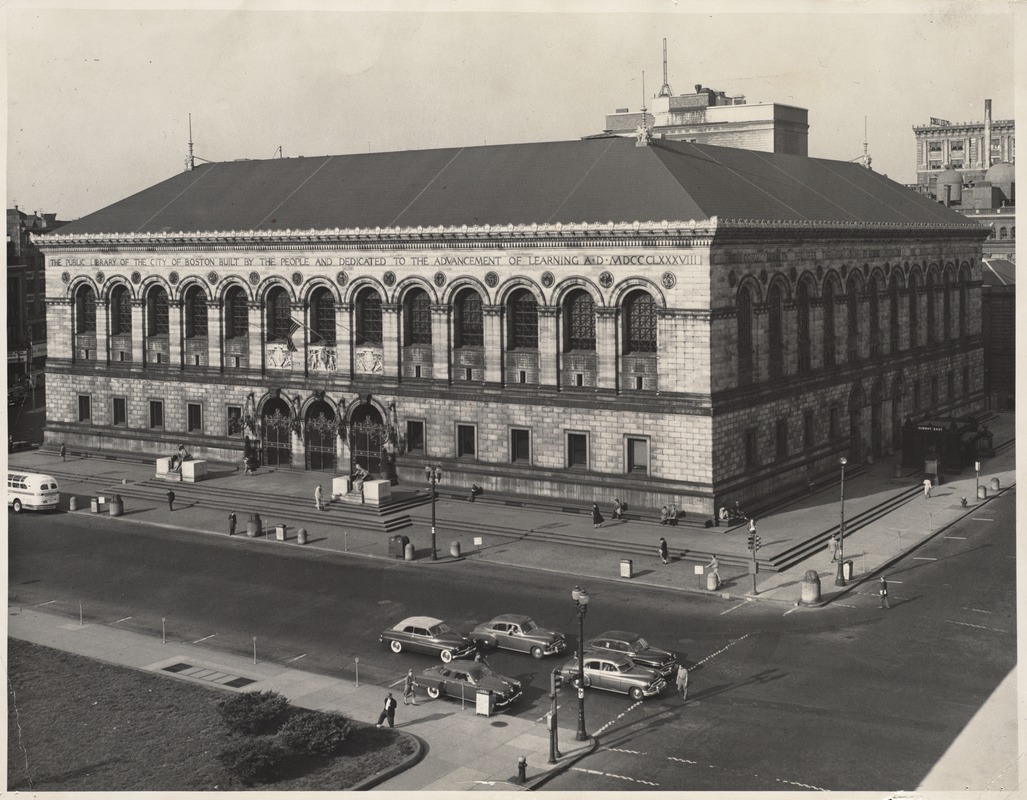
[754, 545]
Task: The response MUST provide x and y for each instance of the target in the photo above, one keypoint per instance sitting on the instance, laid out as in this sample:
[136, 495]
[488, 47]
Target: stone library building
[660, 321]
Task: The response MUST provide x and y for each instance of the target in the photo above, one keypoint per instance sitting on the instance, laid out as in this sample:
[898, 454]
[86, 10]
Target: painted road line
[982, 611]
[956, 537]
[924, 558]
[722, 613]
[621, 750]
[621, 715]
[614, 775]
[123, 619]
[980, 627]
[546, 715]
[803, 785]
[297, 658]
[37, 605]
[982, 519]
[682, 760]
[721, 650]
[205, 638]
[790, 610]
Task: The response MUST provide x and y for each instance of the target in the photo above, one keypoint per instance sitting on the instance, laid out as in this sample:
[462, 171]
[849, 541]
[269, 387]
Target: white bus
[32, 492]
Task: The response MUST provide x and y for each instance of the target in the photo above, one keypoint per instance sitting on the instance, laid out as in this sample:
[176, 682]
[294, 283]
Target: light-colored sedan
[520, 633]
[427, 635]
[615, 673]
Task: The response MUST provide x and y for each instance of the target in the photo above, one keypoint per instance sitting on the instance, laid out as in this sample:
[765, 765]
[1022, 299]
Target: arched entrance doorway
[368, 437]
[876, 423]
[321, 427]
[277, 430]
[857, 401]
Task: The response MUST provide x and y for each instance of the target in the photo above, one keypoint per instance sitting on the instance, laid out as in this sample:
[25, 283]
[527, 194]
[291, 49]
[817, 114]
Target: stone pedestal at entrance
[377, 493]
[193, 471]
[163, 467]
[340, 486]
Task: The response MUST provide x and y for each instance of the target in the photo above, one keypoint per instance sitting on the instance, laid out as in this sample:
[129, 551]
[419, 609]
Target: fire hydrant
[522, 769]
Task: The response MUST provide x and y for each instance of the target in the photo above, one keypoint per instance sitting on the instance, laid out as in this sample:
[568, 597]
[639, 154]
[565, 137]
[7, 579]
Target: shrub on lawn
[317, 733]
[253, 760]
[254, 712]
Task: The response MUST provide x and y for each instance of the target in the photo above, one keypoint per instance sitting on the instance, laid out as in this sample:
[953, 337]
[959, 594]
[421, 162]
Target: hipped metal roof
[594, 181]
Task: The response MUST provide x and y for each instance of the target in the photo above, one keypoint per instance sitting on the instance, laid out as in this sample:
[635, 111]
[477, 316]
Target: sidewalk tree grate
[238, 683]
[209, 675]
[177, 667]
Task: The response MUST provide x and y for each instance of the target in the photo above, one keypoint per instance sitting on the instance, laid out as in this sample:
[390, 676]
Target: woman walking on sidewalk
[597, 518]
[408, 689]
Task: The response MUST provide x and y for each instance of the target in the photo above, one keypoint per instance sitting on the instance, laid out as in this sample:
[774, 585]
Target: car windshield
[639, 644]
[528, 626]
[475, 675]
[625, 666]
[436, 630]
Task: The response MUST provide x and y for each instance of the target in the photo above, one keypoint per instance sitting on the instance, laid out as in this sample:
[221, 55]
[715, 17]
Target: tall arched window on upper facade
[914, 311]
[802, 319]
[195, 312]
[931, 296]
[120, 311]
[279, 314]
[639, 323]
[85, 310]
[416, 318]
[236, 313]
[962, 303]
[469, 322]
[852, 320]
[874, 301]
[579, 311]
[829, 335]
[522, 319]
[322, 317]
[369, 318]
[157, 312]
[946, 307]
[894, 323]
[775, 330]
[743, 315]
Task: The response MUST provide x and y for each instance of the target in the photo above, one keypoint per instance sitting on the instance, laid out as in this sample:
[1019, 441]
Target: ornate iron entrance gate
[277, 448]
[368, 444]
[322, 428]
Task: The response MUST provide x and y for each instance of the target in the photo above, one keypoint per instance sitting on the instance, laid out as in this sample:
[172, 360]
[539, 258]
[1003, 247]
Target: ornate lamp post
[839, 578]
[434, 475]
[580, 597]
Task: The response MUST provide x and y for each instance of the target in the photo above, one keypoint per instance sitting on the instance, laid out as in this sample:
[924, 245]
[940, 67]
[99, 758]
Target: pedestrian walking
[835, 545]
[318, 498]
[682, 683]
[388, 712]
[672, 515]
[64, 452]
[927, 488]
[663, 550]
[883, 592]
[664, 514]
[171, 500]
[597, 518]
[618, 509]
[408, 689]
[231, 523]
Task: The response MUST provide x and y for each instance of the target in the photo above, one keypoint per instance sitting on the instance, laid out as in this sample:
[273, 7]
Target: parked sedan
[615, 673]
[520, 633]
[465, 679]
[640, 651]
[427, 635]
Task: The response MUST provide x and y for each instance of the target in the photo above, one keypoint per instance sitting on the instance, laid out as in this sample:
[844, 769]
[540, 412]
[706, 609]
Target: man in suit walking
[388, 711]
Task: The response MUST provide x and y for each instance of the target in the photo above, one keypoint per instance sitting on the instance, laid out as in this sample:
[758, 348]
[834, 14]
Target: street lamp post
[580, 597]
[434, 475]
[839, 578]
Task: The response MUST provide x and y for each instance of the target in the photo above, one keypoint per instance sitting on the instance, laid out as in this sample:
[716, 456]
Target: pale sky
[98, 99]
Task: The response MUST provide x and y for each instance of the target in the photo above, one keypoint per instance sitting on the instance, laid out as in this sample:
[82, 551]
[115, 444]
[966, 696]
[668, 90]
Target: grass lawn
[75, 724]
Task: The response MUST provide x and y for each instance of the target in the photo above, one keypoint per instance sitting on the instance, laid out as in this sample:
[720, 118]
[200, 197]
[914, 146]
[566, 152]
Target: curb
[419, 752]
[559, 769]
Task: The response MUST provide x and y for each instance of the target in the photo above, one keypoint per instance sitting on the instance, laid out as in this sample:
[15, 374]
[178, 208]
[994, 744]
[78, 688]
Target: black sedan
[464, 679]
[641, 652]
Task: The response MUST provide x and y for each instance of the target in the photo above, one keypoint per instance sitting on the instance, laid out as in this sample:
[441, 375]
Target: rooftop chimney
[987, 134]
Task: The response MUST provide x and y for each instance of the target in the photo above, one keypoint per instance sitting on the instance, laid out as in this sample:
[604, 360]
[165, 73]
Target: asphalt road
[848, 697]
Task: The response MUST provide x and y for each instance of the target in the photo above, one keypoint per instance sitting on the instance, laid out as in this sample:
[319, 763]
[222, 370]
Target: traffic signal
[758, 543]
[752, 540]
[557, 679]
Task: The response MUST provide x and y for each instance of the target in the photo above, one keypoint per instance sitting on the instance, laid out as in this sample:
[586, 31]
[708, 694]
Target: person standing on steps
[408, 689]
[318, 498]
[597, 518]
[171, 500]
[672, 515]
[388, 712]
[664, 514]
[927, 488]
[231, 523]
[663, 550]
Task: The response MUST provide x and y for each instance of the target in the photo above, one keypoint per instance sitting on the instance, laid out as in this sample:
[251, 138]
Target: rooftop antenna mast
[191, 163]
[665, 90]
[864, 159]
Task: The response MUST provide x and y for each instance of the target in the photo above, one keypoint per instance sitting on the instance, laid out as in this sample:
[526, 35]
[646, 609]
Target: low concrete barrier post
[810, 587]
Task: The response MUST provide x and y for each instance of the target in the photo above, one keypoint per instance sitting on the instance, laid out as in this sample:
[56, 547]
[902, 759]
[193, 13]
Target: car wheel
[16, 505]
[537, 652]
[447, 656]
[636, 693]
[396, 646]
[433, 692]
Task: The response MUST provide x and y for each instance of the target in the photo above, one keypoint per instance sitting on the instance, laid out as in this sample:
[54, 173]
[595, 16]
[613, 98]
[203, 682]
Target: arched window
[894, 324]
[745, 351]
[279, 315]
[775, 325]
[369, 318]
[417, 319]
[930, 308]
[946, 308]
[120, 311]
[85, 310]
[829, 337]
[469, 321]
[322, 316]
[874, 299]
[236, 313]
[852, 321]
[1003, 233]
[579, 312]
[962, 303]
[157, 312]
[914, 311]
[195, 312]
[802, 324]
[522, 316]
[640, 323]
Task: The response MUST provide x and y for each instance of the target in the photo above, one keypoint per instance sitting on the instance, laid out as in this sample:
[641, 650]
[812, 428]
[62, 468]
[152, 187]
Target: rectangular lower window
[751, 449]
[637, 456]
[415, 436]
[835, 422]
[466, 446]
[194, 418]
[234, 420]
[156, 414]
[119, 411]
[577, 450]
[520, 445]
[781, 438]
[807, 429]
[84, 411]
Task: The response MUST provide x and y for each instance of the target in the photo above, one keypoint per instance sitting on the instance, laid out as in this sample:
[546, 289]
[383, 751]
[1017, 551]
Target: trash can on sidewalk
[281, 531]
[712, 581]
[847, 570]
[626, 568]
[94, 505]
[397, 544]
[454, 549]
[116, 507]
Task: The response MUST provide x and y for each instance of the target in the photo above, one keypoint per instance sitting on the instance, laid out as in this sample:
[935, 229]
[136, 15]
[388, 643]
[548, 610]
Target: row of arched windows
[900, 299]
